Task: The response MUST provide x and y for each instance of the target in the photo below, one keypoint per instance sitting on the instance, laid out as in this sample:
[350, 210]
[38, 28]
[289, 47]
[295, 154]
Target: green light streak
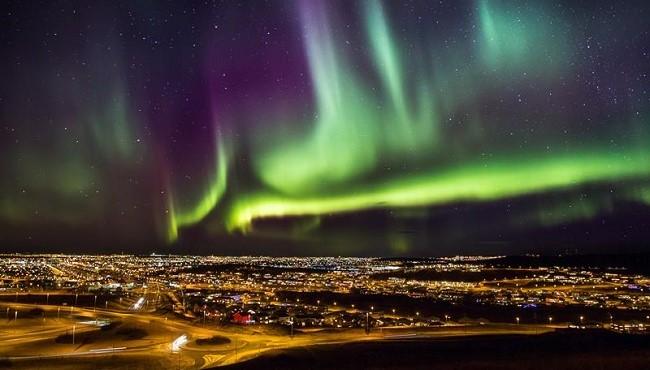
[519, 37]
[355, 125]
[481, 181]
[180, 216]
[386, 57]
[113, 130]
[171, 227]
[344, 141]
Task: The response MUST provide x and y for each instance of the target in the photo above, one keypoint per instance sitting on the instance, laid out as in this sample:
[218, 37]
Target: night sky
[325, 127]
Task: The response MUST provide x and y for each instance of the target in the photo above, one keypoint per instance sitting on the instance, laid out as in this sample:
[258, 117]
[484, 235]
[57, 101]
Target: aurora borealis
[335, 127]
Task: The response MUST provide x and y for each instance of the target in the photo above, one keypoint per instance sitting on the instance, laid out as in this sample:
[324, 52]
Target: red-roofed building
[239, 318]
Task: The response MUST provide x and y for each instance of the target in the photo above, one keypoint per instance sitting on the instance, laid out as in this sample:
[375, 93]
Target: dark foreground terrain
[558, 351]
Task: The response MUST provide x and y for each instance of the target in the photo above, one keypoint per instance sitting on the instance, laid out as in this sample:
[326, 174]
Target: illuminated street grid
[222, 286]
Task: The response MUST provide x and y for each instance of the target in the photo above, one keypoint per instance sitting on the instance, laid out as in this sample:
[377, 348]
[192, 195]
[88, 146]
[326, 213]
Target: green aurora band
[351, 133]
[359, 129]
[481, 181]
[396, 120]
[180, 215]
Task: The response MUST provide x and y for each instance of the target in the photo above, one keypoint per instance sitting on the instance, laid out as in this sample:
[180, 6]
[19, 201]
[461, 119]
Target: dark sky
[325, 127]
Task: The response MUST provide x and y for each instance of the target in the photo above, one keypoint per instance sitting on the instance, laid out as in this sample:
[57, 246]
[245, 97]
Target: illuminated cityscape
[204, 311]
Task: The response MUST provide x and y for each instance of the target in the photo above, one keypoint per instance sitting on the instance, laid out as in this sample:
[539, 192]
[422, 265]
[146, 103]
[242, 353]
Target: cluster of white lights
[178, 343]
[137, 305]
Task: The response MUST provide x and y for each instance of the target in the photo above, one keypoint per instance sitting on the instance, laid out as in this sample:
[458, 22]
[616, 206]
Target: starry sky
[325, 127]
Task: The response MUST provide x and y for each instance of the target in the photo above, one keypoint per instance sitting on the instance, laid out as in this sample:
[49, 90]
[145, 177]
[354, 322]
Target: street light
[550, 320]
[517, 319]
[582, 318]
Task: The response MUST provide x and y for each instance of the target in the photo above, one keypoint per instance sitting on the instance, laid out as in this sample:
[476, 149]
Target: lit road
[22, 336]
